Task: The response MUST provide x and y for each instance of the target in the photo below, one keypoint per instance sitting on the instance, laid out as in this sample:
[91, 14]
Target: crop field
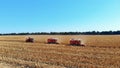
[101, 51]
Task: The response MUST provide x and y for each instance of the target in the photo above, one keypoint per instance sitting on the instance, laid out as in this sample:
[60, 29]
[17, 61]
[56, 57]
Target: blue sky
[59, 15]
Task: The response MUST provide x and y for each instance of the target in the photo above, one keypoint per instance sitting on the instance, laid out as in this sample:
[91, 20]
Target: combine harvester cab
[29, 39]
[76, 42]
[52, 41]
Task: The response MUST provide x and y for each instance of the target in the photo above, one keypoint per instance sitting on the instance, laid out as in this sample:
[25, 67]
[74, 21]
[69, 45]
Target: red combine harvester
[29, 39]
[76, 42]
[52, 41]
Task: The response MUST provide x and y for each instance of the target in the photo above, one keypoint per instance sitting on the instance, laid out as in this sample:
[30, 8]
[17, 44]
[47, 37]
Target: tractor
[76, 42]
[52, 41]
[29, 39]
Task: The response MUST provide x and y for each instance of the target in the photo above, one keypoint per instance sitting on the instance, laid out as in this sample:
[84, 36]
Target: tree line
[68, 33]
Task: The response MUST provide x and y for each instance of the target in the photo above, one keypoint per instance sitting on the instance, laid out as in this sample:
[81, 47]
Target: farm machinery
[52, 41]
[76, 42]
[29, 39]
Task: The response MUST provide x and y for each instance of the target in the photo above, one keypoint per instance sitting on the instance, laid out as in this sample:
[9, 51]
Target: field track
[101, 51]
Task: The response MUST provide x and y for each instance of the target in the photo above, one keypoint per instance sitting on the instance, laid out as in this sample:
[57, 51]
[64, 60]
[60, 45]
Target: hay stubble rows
[99, 52]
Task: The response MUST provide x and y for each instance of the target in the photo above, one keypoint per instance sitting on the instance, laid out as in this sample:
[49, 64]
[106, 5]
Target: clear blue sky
[59, 15]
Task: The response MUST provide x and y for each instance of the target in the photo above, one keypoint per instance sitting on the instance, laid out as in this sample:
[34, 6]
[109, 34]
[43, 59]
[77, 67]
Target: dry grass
[100, 52]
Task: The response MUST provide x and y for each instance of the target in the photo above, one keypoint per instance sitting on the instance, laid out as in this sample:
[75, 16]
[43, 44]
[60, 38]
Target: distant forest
[68, 33]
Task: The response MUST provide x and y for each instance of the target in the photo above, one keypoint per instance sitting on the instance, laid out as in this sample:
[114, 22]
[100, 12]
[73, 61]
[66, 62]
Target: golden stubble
[101, 51]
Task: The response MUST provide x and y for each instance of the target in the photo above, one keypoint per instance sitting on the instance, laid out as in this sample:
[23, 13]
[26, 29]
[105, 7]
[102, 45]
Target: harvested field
[101, 51]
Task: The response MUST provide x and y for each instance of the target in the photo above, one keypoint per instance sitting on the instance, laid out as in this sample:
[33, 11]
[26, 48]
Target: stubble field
[101, 51]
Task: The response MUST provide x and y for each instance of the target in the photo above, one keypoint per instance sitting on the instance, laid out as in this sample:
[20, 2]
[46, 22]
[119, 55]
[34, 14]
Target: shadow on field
[74, 45]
